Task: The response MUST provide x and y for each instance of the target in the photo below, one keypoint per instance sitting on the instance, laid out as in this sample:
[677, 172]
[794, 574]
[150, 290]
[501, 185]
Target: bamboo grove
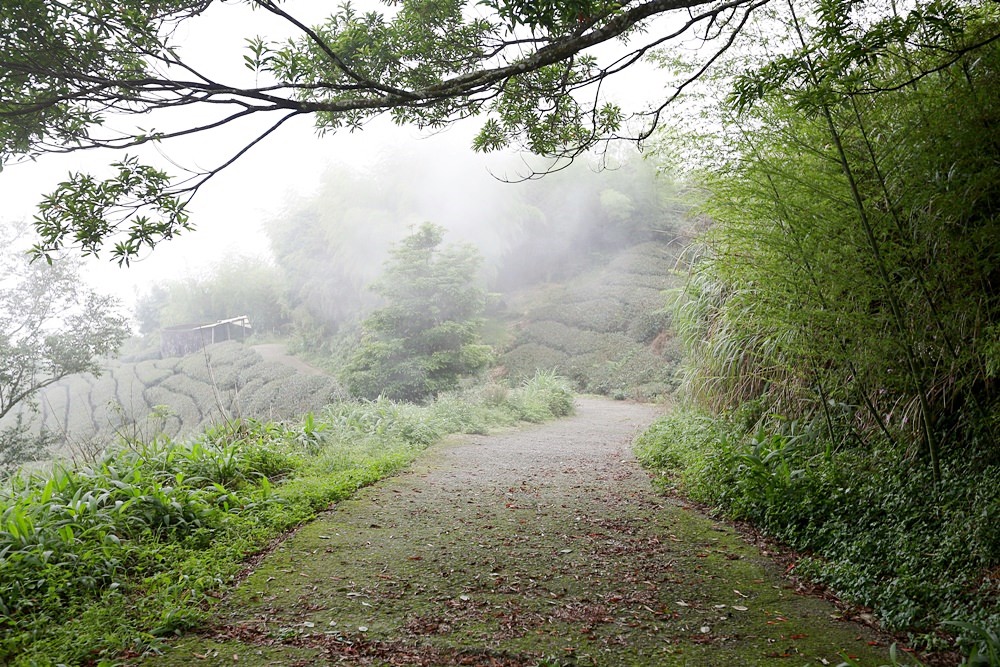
[852, 275]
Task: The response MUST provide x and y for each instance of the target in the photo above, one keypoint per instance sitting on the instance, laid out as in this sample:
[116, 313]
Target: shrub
[921, 555]
[150, 373]
[523, 361]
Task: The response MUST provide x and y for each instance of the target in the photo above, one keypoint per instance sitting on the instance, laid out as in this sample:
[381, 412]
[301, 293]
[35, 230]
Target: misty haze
[503, 333]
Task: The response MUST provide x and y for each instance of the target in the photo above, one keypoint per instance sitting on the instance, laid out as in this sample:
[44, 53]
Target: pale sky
[230, 210]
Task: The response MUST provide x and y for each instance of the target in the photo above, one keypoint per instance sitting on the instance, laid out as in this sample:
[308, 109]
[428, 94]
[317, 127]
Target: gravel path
[538, 546]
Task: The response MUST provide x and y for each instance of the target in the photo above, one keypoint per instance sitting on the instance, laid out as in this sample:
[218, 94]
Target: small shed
[183, 339]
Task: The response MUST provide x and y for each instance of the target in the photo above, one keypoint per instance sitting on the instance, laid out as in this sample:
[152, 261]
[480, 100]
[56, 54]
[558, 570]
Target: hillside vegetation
[577, 267]
[178, 396]
[607, 329]
[841, 319]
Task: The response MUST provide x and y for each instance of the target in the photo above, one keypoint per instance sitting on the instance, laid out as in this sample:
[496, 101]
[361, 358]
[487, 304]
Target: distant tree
[51, 326]
[426, 337]
[236, 286]
[331, 246]
[149, 309]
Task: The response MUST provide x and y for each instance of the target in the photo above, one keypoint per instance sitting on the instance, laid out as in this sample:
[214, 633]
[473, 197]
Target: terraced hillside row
[181, 395]
[608, 330]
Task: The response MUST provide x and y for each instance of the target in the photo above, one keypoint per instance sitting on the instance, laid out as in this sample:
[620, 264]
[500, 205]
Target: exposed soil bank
[542, 544]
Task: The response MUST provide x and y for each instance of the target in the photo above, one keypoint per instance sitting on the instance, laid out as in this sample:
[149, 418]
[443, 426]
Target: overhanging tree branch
[84, 70]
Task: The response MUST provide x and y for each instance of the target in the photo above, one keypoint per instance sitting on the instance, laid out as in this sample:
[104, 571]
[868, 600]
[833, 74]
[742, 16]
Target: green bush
[646, 326]
[561, 337]
[523, 361]
[150, 373]
[647, 259]
[874, 525]
[602, 315]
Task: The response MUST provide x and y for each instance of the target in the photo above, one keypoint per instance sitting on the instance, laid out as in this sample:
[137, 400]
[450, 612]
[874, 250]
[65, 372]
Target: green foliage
[848, 273]
[236, 286]
[607, 330]
[426, 336]
[869, 531]
[549, 14]
[525, 357]
[846, 284]
[86, 206]
[983, 642]
[895, 660]
[544, 396]
[534, 110]
[100, 561]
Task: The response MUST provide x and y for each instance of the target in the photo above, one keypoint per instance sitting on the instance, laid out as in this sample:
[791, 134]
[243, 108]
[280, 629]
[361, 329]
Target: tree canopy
[426, 336]
[73, 73]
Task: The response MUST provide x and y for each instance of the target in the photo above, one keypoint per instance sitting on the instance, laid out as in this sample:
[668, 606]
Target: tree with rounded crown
[51, 326]
[426, 336]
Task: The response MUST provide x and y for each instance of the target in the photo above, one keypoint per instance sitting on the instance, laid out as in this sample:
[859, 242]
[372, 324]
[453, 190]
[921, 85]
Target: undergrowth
[100, 562]
[870, 523]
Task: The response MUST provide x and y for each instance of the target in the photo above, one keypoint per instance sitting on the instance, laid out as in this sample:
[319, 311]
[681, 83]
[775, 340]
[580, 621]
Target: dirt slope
[544, 545]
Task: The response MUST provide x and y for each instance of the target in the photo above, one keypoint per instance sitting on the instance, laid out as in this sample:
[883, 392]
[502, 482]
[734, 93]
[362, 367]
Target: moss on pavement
[541, 546]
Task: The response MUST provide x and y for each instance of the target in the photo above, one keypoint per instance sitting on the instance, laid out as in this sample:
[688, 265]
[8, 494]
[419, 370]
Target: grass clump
[925, 557]
[100, 562]
[543, 397]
